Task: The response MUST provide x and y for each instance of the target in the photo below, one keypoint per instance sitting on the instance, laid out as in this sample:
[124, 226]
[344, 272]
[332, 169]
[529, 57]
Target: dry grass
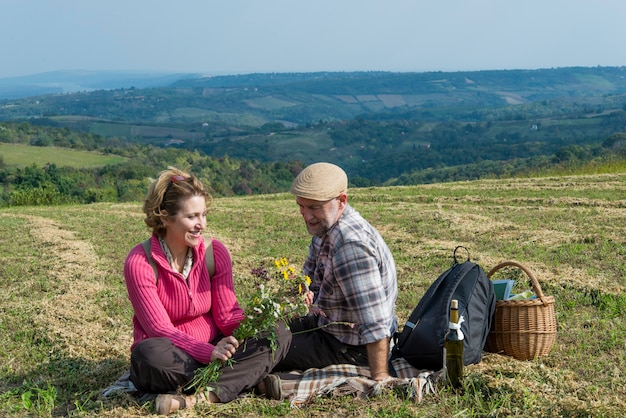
[65, 318]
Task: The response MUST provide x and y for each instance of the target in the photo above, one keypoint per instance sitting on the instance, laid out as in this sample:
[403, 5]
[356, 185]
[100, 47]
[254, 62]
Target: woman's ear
[164, 217]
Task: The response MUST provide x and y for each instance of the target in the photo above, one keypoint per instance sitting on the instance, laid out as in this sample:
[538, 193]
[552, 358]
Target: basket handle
[532, 277]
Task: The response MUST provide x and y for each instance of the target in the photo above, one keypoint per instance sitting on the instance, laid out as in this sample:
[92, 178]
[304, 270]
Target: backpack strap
[209, 258]
[146, 248]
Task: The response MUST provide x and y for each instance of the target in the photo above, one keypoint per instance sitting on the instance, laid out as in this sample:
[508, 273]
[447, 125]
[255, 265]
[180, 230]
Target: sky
[216, 37]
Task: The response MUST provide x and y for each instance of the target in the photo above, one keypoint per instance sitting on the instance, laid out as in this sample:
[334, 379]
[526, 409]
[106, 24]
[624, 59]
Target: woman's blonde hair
[166, 194]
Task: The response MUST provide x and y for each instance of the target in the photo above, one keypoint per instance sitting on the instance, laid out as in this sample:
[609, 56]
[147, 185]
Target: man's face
[319, 216]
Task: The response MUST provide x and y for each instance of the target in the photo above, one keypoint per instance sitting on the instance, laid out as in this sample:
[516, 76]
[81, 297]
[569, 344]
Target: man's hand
[308, 298]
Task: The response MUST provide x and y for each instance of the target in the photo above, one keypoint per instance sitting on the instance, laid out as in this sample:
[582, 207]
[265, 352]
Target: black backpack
[421, 340]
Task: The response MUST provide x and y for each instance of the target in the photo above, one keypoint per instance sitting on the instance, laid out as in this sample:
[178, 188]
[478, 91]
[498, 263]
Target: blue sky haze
[244, 36]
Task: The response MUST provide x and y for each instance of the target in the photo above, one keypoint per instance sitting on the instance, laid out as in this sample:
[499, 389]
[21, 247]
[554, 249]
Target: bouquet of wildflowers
[279, 296]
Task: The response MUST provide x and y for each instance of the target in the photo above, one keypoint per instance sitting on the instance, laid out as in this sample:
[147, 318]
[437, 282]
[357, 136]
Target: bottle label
[457, 328]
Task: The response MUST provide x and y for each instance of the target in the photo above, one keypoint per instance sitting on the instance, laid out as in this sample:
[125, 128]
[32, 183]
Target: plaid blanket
[301, 388]
[346, 379]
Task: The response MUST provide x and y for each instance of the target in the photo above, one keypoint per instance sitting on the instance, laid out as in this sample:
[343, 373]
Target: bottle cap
[454, 304]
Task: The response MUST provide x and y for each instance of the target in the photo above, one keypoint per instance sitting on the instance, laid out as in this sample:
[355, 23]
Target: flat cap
[320, 181]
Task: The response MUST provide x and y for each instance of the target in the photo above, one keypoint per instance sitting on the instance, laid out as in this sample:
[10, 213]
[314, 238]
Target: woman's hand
[225, 348]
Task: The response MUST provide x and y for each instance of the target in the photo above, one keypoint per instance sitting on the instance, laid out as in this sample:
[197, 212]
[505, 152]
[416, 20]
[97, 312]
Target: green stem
[348, 324]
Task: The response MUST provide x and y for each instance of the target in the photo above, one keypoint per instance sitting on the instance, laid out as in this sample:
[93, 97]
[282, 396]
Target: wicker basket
[523, 329]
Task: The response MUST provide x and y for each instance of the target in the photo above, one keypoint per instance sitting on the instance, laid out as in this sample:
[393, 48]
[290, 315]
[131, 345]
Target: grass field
[18, 155]
[66, 320]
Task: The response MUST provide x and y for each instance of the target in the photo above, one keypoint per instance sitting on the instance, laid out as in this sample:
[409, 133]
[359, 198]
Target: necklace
[186, 267]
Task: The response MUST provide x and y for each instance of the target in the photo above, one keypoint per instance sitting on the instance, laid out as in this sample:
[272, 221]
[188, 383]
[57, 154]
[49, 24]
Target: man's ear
[343, 199]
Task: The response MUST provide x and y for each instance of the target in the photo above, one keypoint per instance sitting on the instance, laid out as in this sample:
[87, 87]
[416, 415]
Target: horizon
[80, 80]
[164, 72]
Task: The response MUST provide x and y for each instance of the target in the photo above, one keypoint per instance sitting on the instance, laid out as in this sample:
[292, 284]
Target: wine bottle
[453, 348]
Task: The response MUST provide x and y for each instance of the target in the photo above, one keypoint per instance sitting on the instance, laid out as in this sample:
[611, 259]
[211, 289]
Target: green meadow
[66, 320]
[19, 155]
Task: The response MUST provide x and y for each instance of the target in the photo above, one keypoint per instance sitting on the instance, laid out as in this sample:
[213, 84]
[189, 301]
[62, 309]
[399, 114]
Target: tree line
[466, 158]
[53, 184]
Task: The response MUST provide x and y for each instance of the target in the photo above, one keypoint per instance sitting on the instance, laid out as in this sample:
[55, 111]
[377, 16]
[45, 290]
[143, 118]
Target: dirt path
[73, 312]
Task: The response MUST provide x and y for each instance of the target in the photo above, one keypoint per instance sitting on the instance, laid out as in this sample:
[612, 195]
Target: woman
[183, 319]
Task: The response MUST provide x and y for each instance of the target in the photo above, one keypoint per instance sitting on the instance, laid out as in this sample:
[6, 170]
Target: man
[353, 280]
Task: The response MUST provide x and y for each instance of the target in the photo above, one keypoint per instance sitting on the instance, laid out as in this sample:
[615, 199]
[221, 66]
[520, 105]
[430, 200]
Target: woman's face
[183, 229]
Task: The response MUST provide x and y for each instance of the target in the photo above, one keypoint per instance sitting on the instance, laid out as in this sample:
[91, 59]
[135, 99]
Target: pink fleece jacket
[190, 315]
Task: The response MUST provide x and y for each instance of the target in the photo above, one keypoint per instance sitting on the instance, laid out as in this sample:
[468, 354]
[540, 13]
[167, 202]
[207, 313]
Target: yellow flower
[276, 301]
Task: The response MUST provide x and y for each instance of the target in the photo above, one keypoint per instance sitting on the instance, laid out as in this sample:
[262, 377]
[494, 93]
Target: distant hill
[297, 99]
[382, 127]
[57, 82]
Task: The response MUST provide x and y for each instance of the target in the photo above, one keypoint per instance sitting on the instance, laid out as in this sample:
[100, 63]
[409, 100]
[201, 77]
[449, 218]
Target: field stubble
[66, 320]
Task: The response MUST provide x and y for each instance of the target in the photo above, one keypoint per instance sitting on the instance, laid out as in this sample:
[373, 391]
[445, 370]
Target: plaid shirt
[353, 276]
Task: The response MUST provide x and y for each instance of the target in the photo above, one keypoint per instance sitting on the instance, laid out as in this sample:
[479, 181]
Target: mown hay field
[65, 319]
